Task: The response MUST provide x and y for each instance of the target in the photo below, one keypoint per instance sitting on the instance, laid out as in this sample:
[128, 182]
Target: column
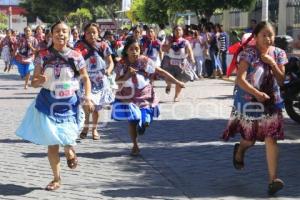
[282, 13]
[9, 17]
[265, 10]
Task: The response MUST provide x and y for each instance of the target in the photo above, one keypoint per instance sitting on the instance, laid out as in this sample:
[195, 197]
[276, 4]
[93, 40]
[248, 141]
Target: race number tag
[64, 90]
[175, 62]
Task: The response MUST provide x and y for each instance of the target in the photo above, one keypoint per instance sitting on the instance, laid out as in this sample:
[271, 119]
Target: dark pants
[223, 55]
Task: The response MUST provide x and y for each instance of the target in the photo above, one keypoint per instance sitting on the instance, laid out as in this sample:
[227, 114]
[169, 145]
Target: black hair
[220, 27]
[133, 29]
[175, 27]
[260, 26]
[128, 42]
[57, 23]
[145, 27]
[47, 31]
[108, 33]
[27, 27]
[92, 24]
[161, 26]
[73, 30]
[39, 26]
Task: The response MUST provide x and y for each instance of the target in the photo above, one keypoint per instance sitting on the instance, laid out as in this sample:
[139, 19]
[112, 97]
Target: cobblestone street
[182, 156]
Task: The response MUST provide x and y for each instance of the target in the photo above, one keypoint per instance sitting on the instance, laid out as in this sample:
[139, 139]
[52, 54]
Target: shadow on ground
[191, 158]
[189, 154]
[8, 76]
[15, 190]
[14, 141]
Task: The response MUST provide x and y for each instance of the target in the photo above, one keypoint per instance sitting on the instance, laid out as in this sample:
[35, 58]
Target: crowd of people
[82, 73]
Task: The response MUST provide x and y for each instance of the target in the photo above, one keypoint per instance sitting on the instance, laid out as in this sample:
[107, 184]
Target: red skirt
[255, 129]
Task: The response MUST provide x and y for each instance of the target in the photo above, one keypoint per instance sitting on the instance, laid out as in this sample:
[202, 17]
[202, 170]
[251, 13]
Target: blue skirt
[42, 129]
[24, 69]
[122, 111]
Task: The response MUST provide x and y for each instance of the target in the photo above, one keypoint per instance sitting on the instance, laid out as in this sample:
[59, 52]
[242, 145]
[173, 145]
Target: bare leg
[85, 129]
[27, 77]
[272, 157]
[71, 157]
[95, 124]
[133, 134]
[69, 152]
[244, 145]
[5, 66]
[9, 67]
[177, 93]
[54, 160]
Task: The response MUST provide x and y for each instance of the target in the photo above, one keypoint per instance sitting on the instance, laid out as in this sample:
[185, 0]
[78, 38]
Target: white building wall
[19, 23]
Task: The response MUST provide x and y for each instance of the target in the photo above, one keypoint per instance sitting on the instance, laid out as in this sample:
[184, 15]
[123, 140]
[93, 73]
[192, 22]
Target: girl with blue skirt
[54, 118]
[24, 55]
[136, 101]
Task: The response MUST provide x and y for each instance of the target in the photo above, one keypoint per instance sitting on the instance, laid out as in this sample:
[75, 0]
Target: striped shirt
[223, 41]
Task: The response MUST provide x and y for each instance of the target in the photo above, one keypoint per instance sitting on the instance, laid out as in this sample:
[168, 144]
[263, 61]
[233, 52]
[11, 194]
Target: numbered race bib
[65, 89]
[176, 62]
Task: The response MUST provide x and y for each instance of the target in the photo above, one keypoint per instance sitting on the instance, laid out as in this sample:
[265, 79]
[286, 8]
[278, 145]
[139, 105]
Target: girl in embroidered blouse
[39, 36]
[24, 53]
[7, 47]
[152, 47]
[55, 117]
[97, 55]
[136, 100]
[175, 61]
[257, 110]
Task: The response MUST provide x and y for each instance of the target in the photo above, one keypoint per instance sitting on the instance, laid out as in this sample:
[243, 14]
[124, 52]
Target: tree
[3, 21]
[52, 10]
[49, 10]
[151, 11]
[103, 8]
[80, 17]
[136, 12]
[162, 11]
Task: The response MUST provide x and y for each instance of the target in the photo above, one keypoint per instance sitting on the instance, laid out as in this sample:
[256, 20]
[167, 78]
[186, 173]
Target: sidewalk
[182, 155]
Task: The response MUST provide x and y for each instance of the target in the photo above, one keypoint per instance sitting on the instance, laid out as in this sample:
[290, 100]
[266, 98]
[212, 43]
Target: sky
[9, 2]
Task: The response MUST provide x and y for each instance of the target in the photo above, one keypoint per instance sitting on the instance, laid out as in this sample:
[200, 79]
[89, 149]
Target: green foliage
[49, 10]
[136, 12]
[163, 11]
[53, 10]
[3, 21]
[80, 17]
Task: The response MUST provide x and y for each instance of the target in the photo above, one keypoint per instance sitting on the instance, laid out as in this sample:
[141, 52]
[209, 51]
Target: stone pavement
[182, 155]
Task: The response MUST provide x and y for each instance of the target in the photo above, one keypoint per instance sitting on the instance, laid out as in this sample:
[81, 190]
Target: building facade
[16, 14]
[285, 14]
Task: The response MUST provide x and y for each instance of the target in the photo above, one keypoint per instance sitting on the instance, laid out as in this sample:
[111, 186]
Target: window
[235, 18]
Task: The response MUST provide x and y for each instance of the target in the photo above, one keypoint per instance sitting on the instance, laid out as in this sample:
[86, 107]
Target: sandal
[275, 186]
[95, 135]
[53, 185]
[72, 162]
[83, 135]
[135, 151]
[237, 164]
[168, 90]
[141, 129]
